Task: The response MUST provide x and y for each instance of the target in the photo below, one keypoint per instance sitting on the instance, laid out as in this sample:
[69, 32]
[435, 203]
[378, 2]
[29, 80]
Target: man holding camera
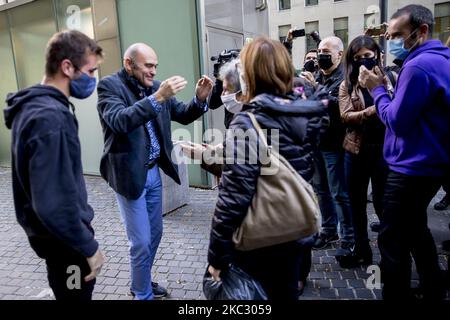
[310, 62]
[215, 102]
[136, 113]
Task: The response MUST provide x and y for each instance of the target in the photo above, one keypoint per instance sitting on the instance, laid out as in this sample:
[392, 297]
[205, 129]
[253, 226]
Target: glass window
[8, 83]
[341, 30]
[75, 15]
[310, 27]
[442, 19]
[226, 13]
[285, 4]
[311, 2]
[32, 25]
[283, 31]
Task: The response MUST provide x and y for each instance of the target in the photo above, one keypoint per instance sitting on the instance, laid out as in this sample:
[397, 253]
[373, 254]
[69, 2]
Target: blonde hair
[267, 68]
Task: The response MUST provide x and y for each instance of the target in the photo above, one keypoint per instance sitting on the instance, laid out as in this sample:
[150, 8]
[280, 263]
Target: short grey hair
[335, 41]
[230, 72]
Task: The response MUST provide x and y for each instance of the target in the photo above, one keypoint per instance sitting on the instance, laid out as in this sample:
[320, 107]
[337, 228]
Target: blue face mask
[83, 87]
[397, 47]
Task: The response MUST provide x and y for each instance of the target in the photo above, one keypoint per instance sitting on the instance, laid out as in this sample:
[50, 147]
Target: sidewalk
[181, 260]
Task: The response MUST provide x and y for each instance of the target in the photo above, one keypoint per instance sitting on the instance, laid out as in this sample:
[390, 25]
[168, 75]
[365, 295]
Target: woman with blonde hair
[266, 80]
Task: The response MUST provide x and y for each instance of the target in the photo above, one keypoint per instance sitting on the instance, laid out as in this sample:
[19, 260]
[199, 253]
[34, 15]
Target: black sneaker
[346, 256]
[375, 227]
[301, 287]
[158, 291]
[364, 254]
[443, 204]
[446, 245]
[345, 249]
[324, 241]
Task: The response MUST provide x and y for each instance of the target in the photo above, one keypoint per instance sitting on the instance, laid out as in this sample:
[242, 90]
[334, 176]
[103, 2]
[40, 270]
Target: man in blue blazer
[136, 113]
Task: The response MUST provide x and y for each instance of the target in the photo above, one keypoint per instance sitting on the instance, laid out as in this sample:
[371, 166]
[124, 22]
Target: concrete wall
[325, 12]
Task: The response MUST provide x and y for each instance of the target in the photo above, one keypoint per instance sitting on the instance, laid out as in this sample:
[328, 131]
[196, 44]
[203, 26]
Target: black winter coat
[300, 124]
[334, 137]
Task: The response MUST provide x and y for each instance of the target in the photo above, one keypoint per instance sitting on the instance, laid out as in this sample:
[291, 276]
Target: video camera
[301, 33]
[224, 57]
[376, 31]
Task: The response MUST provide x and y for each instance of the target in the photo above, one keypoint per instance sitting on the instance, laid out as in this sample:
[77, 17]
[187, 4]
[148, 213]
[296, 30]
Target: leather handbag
[284, 208]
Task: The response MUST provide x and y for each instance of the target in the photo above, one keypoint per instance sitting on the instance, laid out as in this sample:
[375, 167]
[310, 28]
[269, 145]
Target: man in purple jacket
[417, 150]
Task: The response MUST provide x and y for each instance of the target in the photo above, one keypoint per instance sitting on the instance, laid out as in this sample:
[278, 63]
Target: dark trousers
[404, 232]
[276, 268]
[305, 257]
[368, 165]
[446, 187]
[59, 259]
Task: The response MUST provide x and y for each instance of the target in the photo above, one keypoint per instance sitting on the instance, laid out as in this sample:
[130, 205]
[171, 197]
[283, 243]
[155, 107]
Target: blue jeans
[330, 186]
[143, 224]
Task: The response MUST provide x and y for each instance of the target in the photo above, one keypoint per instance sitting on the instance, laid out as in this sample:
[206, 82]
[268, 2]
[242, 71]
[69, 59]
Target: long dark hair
[351, 74]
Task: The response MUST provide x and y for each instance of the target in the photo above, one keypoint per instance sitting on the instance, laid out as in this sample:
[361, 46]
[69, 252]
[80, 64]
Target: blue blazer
[123, 115]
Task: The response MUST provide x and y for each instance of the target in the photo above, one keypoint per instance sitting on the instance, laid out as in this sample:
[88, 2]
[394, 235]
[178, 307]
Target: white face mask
[231, 104]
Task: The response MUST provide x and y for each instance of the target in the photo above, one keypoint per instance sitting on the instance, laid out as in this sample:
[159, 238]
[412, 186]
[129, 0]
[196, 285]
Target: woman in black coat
[267, 81]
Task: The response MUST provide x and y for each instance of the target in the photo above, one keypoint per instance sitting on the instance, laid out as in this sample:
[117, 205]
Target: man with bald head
[136, 113]
[329, 180]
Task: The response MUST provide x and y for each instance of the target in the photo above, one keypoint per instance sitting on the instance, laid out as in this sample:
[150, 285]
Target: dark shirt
[334, 137]
[373, 130]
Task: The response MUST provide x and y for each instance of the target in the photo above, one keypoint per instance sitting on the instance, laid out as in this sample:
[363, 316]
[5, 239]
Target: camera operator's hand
[289, 36]
[170, 88]
[204, 88]
[310, 78]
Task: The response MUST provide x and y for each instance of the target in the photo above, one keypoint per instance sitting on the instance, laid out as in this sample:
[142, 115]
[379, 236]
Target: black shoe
[345, 249]
[436, 294]
[416, 294]
[346, 256]
[158, 291]
[375, 227]
[443, 204]
[446, 245]
[324, 241]
[364, 255]
[301, 287]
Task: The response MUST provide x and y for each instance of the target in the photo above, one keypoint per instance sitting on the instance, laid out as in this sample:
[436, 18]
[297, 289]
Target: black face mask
[325, 61]
[310, 66]
[369, 63]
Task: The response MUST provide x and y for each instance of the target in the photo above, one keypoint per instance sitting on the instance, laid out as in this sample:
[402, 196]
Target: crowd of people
[346, 121]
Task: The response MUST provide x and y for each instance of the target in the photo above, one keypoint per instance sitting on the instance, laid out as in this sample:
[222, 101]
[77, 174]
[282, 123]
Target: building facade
[344, 18]
[183, 33]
